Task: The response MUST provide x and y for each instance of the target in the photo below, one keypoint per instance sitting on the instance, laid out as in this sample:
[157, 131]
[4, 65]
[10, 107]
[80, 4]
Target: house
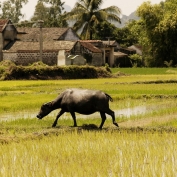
[121, 60]
[8, 33]
[58, 46]
[25, 48]
[107, 49]
[128, 51]
[90, 52]
[24, 53]
[137, 48]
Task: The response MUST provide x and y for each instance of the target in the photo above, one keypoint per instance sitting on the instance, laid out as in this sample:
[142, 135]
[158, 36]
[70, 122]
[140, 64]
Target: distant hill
[125, 19]
[67, 8]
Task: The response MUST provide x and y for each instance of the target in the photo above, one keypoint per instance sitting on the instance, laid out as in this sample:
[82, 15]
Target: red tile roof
[3, 23]
[90, 47]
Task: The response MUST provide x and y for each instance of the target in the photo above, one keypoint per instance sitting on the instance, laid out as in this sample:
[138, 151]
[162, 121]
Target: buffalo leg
[74, 118]
[111, 113]
[58, 116]
[103, 117]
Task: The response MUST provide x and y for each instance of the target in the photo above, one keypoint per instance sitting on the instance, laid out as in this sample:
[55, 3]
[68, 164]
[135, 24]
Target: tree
[87, 14]
[41, 13]
[51, 12]
[11, 9]
[104, 30]
[160, 26]
[126, 36]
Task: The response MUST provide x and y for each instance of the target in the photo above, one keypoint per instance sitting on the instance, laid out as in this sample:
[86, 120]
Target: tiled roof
[3, 23]
[32, 34]
[47, 46]
[90, 47]
[120, 54]
[109, 42]
[135, 46]
[91, 41]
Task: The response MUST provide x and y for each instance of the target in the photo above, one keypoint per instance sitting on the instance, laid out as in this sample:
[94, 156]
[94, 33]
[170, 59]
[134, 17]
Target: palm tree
[86, 14]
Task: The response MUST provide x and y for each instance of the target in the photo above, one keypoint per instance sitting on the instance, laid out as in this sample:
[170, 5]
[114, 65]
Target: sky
[126, 6]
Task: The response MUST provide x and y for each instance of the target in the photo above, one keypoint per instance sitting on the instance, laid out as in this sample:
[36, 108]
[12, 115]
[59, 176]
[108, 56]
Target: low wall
[50, 58]
[26, 58]
[97, 59]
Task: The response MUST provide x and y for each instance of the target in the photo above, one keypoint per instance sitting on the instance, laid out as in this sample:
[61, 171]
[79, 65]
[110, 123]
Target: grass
[90, 153]
[31, 94]
[30, 147]
[145, 71]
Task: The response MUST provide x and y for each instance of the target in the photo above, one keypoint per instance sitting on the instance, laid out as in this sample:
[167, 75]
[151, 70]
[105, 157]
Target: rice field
[145, 143]
[92, 153]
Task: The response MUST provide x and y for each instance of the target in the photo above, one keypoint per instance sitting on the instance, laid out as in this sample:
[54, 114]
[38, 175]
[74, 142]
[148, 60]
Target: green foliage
[51, 12]
[168, 64]
[136, 60]
[87, 14]
[160, 30]
[128, 35]
[11, 9]
[104, 30]
[41, 71]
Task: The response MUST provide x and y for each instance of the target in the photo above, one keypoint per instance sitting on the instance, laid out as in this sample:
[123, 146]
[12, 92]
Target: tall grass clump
[91, 153]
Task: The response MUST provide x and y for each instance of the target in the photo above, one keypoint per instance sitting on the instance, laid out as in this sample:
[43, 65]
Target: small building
[127, 51]
[137, 48]
[23, 46]
[107, 49]
[25, 53]
[121, 60]
[55, 53]
[8, 33]
[90, 52]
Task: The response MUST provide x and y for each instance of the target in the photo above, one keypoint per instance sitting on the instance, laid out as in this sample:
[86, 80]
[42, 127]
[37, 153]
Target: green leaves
[87, 14]
[50, 11]
[11, 9]
[160, 26]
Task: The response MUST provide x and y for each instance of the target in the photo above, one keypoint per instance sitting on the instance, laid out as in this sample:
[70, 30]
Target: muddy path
[148, 121]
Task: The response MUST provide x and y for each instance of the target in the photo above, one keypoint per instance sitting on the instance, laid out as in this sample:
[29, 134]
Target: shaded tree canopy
[87, 14]
[51, 12]
[11, 9]
[159, 23]
[104, 30]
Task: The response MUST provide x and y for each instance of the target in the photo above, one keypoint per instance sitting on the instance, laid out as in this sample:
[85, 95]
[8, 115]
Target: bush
[136, 60]
[44, 72]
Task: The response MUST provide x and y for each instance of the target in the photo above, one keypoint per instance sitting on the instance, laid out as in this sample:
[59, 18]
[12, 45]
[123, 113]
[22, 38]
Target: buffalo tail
[110, 98]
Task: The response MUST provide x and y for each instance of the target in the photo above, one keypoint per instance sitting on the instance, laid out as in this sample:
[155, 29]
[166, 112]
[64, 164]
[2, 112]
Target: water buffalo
[82, 101]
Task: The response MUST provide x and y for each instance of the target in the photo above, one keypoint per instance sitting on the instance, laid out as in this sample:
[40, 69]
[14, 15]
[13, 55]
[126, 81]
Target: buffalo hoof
[116, 124]
[54, 125]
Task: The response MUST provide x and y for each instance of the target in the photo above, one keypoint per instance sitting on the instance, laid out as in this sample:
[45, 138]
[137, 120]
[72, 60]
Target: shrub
[44, 72]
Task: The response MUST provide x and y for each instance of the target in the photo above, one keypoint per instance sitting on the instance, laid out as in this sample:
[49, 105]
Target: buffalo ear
[49, 104]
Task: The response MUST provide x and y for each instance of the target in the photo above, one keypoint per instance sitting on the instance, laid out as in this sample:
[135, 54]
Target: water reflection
[118, 113]
[132, 111]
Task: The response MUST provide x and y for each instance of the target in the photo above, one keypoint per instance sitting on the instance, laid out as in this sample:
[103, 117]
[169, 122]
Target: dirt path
[148, 121]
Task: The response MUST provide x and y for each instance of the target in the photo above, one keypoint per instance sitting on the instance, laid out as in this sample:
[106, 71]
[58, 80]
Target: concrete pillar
[61, 58]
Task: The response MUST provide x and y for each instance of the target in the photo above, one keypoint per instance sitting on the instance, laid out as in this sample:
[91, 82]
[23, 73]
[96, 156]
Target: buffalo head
[45, 110]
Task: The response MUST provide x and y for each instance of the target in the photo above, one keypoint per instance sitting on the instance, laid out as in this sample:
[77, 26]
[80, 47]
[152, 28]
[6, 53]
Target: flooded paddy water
[142, 109]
